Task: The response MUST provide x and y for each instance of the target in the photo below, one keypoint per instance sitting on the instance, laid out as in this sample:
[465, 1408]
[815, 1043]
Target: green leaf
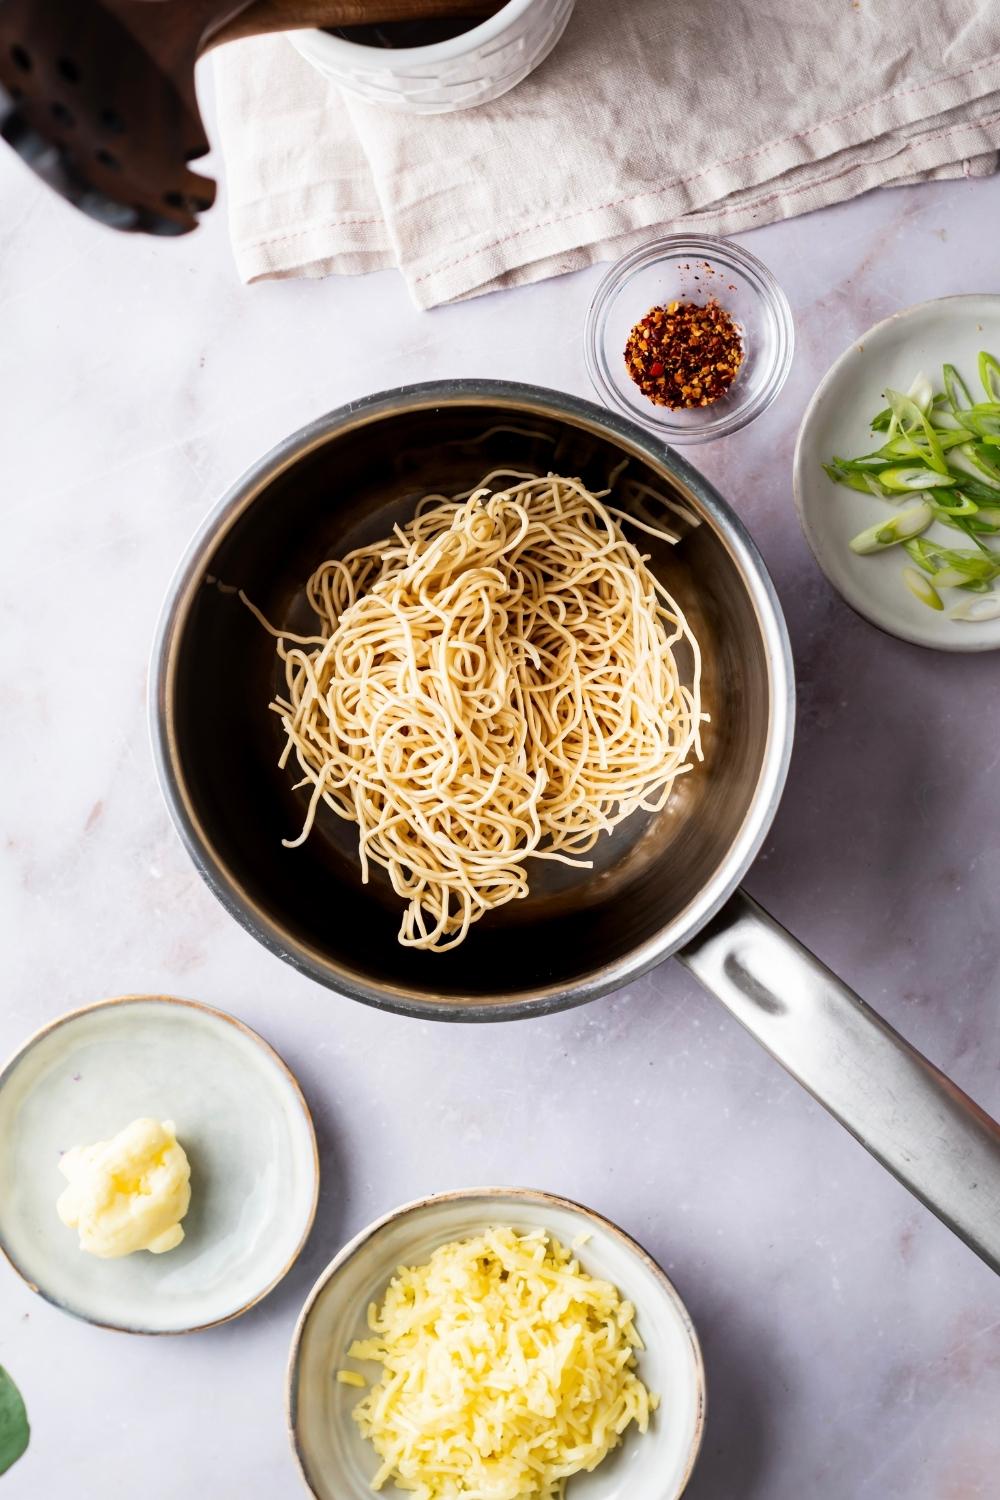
[14, 1429]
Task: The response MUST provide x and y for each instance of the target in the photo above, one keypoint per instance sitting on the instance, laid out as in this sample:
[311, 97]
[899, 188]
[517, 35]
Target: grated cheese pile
[505, 1369]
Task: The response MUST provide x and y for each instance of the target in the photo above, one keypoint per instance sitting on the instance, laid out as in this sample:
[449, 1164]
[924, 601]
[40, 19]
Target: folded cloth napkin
[649, 116]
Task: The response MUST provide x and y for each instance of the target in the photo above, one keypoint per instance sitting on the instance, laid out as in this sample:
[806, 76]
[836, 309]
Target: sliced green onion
[950, 578]
[956, 390]
[983, 428]
[943, 419]
[985, 458]
[963, 505]
[854, 480]
[901, 479]
[907, 415]
[968, 525]
[977, 610]
[960, 567]
[921, 393]
[898, 528]
[874, 461]
[979, 490]
[953, 578]
[989, 374]
[924, 554]
[941, 451]
[973, 527]
[955, 438]
[966, 460]
[922, 588]
[983, 420]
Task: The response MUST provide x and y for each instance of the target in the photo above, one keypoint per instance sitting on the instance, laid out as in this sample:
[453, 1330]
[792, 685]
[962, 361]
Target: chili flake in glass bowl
[691, 272]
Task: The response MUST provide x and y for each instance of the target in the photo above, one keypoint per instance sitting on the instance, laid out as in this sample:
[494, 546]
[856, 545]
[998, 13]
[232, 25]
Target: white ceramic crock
[470, 69]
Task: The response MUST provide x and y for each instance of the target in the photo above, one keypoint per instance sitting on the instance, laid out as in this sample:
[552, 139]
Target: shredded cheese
[505, 1370]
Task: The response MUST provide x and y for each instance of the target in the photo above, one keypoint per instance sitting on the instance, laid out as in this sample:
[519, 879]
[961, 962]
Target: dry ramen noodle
[494, 683]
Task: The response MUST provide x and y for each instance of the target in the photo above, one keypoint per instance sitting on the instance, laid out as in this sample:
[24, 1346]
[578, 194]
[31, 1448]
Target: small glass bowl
[687, 268]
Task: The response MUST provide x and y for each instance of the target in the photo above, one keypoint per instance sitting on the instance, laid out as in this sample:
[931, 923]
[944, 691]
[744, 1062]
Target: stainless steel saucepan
[664, 885]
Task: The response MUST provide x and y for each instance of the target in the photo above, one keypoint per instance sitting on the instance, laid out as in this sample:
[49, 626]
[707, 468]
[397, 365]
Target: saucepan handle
[919, 1124]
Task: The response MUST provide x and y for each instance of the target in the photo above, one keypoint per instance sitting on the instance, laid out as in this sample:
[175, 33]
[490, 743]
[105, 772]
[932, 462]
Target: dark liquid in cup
[407, 33]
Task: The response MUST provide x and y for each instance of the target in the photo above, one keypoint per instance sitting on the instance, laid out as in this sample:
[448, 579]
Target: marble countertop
[852, 1344]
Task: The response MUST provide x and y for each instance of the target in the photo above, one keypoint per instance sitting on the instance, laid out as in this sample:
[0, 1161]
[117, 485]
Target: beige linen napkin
[650, 115]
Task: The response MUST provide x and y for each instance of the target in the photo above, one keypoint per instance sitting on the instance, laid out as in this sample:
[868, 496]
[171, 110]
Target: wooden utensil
[98, 96]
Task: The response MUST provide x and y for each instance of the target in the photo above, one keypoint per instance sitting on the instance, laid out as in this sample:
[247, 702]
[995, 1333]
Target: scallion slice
[898, 528]
[901, 479]
[941, 450]
[959, 396]
[922, 588]
[963, 505]
[976, 611]
[967, 459]
[989, 374]
[909, 419]
[921, 392]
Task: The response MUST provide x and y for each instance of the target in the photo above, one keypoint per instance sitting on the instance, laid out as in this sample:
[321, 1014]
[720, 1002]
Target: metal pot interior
[580, 931]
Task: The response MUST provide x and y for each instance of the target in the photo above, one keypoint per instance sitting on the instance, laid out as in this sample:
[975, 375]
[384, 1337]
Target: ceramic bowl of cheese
[239, 1116]
[339, 1463]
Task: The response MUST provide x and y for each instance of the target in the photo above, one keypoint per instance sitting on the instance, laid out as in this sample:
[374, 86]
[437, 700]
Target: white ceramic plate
[338, 1464]
[950, 330]
[241, 1118]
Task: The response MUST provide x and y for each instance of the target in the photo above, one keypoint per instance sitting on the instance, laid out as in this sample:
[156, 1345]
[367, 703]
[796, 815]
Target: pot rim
[516, 396]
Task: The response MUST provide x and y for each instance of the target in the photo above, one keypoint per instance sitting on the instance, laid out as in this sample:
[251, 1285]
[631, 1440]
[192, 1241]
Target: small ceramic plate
[950, 330]
[241, 1118]
[338, 1464]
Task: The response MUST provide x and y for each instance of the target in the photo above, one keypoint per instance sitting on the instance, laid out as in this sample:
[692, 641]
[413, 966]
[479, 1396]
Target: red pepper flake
[684, 354]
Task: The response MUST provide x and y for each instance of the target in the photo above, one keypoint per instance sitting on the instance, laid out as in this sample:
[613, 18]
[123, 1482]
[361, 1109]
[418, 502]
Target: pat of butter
[129, 1193]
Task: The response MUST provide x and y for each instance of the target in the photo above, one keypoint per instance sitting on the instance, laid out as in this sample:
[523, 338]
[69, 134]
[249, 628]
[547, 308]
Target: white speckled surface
[852, 1345]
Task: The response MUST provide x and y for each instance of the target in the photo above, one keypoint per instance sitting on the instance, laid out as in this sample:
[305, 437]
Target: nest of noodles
[494, 683]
